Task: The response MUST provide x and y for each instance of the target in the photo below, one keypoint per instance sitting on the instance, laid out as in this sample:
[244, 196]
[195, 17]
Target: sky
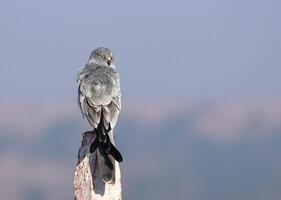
[164, 49]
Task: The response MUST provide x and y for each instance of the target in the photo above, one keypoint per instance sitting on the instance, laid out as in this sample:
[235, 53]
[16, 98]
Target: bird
[99, 99]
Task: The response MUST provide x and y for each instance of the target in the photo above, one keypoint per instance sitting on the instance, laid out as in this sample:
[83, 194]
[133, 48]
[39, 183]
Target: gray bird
[99, 98]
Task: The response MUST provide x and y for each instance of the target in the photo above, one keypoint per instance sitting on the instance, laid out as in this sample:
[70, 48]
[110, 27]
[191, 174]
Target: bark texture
[88, 184]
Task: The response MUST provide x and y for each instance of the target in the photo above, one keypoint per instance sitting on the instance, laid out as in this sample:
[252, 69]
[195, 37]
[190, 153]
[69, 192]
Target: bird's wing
[99, 91]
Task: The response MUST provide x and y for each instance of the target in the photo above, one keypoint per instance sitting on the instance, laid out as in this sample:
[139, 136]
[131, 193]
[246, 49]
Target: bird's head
[101, 56]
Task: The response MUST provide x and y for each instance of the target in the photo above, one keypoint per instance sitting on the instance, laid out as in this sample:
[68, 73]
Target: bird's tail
[107, 152]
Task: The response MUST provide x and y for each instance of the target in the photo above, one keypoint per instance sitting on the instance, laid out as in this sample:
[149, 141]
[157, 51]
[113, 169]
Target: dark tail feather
[94, 145]
[106, 148]
[106, 158]
[115, 153]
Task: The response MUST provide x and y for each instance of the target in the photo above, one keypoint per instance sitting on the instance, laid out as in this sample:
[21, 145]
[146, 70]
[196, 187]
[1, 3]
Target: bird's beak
[108, 61]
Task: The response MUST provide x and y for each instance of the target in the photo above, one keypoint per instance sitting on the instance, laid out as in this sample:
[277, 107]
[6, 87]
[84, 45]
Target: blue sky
[164, 49]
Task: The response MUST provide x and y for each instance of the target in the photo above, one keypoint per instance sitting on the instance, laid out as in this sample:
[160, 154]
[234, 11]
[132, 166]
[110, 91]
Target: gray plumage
[99, 98]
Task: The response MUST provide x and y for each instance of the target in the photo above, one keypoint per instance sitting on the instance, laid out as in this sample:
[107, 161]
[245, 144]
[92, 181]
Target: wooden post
[88, 184]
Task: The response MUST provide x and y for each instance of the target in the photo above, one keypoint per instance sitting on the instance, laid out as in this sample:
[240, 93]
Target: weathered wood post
[88, 184]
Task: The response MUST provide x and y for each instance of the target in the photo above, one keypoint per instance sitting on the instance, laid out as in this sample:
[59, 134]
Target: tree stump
[88, 184]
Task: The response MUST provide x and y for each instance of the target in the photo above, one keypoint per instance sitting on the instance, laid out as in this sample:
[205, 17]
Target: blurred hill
[197, 151]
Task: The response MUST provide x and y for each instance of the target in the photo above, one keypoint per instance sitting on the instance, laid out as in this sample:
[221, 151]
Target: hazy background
[201, 95]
